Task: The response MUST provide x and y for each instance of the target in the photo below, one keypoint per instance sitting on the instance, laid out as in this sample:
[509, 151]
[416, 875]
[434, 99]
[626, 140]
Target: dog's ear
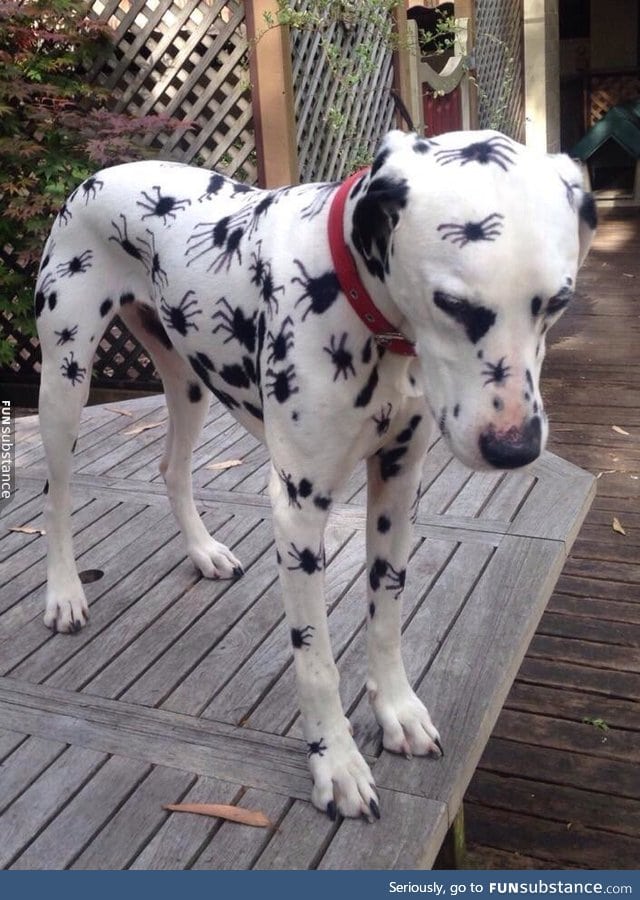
[377, 211]
[579, 199]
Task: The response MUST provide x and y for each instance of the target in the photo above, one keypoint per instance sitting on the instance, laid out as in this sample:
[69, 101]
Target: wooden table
[182, 688]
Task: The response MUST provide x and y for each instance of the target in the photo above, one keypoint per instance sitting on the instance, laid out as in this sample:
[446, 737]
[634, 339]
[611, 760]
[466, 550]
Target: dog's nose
[512, 448]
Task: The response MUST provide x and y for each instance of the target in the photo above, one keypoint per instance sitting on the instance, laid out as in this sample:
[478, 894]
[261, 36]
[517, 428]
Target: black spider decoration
[316, 748]
[259, 210]
[394, 578]
[282, 342]
[152, 260]
[487, 229]
[90, 188]
[72, 370]
[224, 235]
[498, 150]
[308, 561]
[180, 317]
[321, 291]
[341, 358]
[76, 265]
[238, 326]
[301, 637]
[215, 185]
[321, 194]
[303, 489]
[263, 278]
[66, 335]
[281, 384]
[496, 373]
[383, 419]
[164, 207]
[64, 215]
[122, 237]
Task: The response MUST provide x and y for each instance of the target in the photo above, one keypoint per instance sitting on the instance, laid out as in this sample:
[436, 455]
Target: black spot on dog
[456, 411]
[106, 306]
[194, 393]
[536, 305]
[254, 410]
[372, 609]
[365, 395]
[475, 318]
[126, 298]
[390, 462]
[235, 375]
[305, 487]
[384, 524]
[322, 502]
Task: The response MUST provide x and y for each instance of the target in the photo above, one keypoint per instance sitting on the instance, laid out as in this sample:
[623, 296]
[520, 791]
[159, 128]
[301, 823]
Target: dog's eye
[476, 319]
[558, 302]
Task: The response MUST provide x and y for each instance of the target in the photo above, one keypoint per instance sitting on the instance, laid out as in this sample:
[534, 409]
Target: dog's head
[476, 241]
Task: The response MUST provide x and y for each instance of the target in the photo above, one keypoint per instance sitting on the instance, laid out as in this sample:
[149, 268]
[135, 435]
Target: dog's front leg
[393, 488]
[342, 780]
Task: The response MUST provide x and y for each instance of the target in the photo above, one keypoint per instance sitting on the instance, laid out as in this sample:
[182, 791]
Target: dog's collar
[344, 264]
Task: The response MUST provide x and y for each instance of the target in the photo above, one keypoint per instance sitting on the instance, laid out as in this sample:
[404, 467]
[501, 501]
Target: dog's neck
[368, 295]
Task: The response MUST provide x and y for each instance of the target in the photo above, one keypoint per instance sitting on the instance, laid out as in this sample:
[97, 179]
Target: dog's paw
[342, 780]
[66, 611]
[215, 560]
[406, 724]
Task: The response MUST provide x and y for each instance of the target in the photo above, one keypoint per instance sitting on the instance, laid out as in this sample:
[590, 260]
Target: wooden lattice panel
[339, 127]
[499, 62]
[609, 90]
[187, 59]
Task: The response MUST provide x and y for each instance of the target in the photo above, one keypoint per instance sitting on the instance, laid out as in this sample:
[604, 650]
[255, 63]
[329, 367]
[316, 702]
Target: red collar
[385, 333]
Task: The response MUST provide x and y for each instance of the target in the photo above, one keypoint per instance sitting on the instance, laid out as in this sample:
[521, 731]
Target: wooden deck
[182, 689]
[552, 789]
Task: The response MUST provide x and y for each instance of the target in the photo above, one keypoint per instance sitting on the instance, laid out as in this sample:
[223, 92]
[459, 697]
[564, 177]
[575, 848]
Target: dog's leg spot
[372, 609]
[384, 524]
[456, 411]
[498, 404]
[195, 392]
[106, 306]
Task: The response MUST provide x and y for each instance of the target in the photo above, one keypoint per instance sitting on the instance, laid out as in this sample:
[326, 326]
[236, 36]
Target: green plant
[350, 62]
[55, 128]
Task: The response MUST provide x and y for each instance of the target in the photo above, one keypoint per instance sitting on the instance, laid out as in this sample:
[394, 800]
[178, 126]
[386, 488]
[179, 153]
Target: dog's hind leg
[69, 327]
[393, 483]
[187, 403]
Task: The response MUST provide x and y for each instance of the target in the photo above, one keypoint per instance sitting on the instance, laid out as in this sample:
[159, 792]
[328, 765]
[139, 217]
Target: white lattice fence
[499, 65]
[186, 59]
[338, 126]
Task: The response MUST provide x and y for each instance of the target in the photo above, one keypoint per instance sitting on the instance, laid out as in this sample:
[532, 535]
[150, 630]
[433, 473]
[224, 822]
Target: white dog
[337, 323]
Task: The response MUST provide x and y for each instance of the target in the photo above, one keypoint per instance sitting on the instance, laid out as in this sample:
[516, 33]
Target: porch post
[542, 75]
[272, 95]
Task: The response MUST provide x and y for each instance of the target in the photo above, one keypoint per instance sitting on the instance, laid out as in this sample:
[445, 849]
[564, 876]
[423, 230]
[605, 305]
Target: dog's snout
[512, 448]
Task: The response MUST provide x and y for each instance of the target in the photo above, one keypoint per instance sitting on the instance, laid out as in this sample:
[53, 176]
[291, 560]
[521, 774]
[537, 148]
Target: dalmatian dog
[337, 323]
